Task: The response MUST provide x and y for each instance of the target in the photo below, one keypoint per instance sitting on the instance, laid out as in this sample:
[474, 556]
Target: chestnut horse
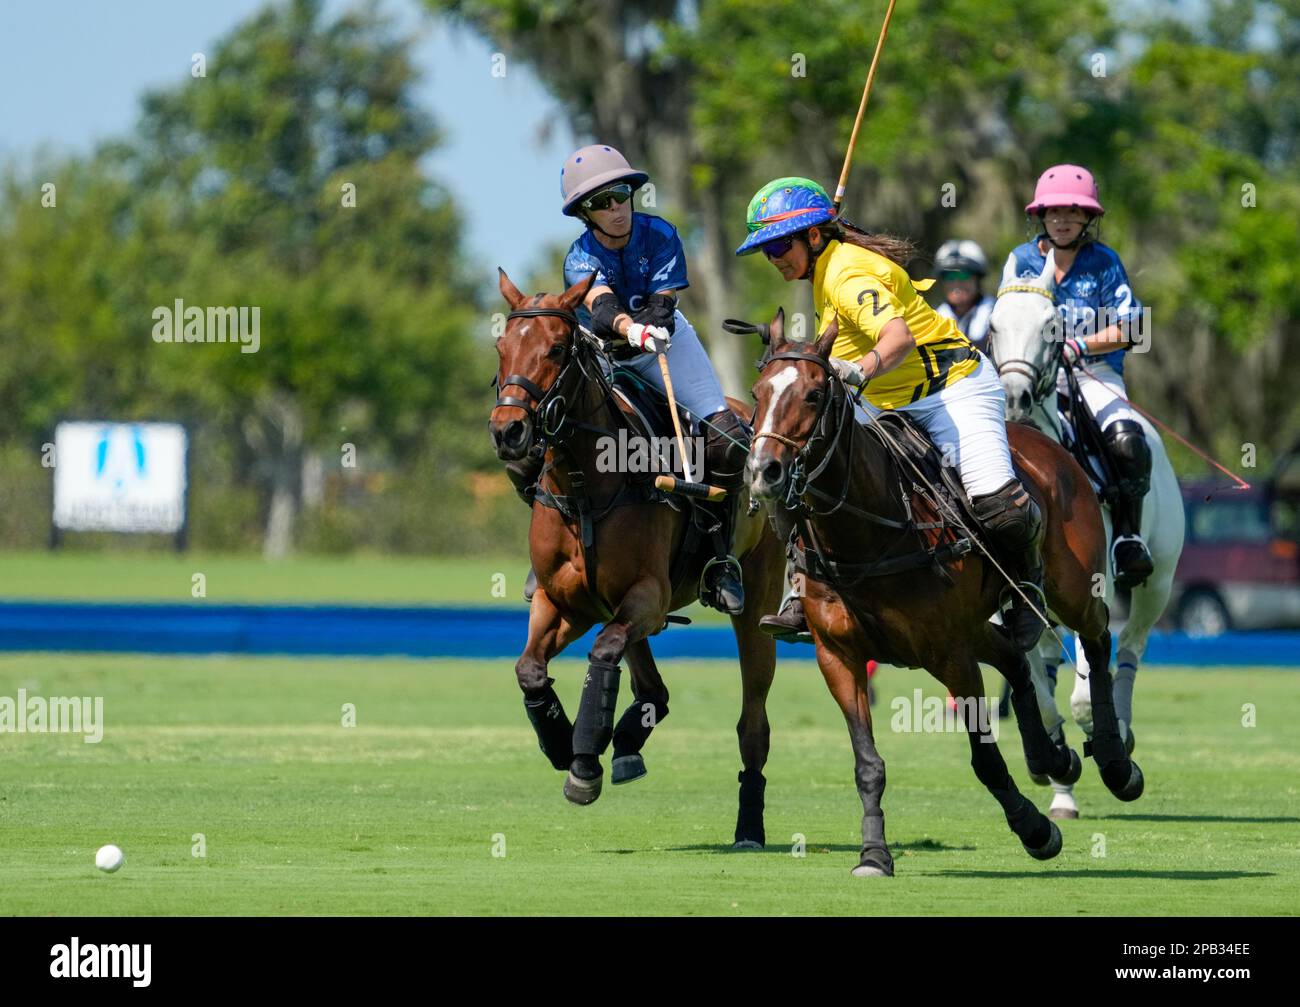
[869, 600]
[555, 397]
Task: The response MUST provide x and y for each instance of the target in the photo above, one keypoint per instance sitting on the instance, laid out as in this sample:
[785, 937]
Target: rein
[800, 485]
[552, 425]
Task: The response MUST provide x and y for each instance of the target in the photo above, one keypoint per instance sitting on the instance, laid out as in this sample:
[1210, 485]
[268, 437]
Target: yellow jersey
[866, 290]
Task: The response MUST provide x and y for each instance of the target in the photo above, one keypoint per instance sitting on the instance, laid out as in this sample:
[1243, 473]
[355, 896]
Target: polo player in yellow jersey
[907, 357]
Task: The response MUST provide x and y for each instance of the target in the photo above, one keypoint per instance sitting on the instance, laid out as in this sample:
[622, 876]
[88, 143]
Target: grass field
[398, 814]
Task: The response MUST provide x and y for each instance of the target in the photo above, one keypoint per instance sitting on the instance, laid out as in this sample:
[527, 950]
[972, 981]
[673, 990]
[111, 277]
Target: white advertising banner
[119, 477]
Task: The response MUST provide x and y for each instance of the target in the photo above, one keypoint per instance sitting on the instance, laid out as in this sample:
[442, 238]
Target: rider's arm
[877, 312]
[622, 321]
[891, 349]
[1116, 299]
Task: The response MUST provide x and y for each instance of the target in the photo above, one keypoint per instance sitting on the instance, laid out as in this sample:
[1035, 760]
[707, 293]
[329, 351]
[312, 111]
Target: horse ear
[576, 294]
[1047, 278]
[775, 331]
[827, 339]
[509, 291]
[1009, 270]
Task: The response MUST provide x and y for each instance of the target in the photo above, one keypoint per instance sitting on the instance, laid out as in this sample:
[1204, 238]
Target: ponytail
[891, 246]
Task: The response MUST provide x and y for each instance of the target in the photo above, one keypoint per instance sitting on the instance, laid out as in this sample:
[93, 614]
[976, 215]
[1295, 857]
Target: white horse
[1024, 344]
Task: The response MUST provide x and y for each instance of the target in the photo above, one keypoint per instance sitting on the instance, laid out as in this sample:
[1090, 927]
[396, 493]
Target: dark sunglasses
[777, 247]
[957, 274]
[619, 194]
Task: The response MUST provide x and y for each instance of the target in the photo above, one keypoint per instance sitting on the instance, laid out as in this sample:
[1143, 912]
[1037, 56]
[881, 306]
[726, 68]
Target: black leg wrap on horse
[875, 850]
[634, 727]
[554, 732]
[1042, 757]
[1028, 823]
[595, 726]
[749, 820]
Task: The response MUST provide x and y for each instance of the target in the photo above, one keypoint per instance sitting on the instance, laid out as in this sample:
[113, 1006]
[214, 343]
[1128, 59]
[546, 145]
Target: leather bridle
[547, 409]
[1041, 379]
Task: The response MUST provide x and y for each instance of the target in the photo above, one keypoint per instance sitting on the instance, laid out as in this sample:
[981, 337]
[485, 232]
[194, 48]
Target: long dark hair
[891, 246]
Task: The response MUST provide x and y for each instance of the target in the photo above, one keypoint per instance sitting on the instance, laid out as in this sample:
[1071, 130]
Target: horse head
[1024, 338]
[537, 351]
[794, 390]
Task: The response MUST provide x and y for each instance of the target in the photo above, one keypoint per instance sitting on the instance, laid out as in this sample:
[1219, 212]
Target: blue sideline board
[440, 632]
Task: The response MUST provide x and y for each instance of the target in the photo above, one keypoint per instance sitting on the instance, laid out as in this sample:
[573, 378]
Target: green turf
[398, 814]
[296, 580]
[168, 577]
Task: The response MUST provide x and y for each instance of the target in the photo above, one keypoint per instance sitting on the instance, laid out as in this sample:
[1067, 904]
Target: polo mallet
[862, 109]
[671, 484]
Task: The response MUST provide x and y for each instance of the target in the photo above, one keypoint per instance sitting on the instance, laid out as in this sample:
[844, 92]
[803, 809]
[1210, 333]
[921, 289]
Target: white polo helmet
[961, 255]
[591, 169]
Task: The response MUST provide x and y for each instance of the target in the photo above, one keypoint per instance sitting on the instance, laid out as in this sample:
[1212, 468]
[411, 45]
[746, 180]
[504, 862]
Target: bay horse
[849, 494]
[1027, 351]
[603, 545]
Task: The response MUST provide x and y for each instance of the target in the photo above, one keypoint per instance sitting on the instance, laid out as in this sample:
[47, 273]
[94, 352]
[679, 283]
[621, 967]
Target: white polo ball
[109, 858]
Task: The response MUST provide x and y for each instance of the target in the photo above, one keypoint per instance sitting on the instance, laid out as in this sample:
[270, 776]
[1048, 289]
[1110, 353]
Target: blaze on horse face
[1024, 338]
[790, 395]
[532, 348]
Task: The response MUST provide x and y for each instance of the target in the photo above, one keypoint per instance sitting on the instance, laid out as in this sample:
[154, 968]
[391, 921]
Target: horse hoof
[871, 871]
[1132, 790]
[1061, 814]
[1042, 779]
[741, 845]
[627, 768]
[1050, 848]
[580, 791]
[1074, 772]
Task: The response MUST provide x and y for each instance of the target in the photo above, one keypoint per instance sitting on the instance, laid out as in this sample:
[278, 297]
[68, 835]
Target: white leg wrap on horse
[1052, 718]
[1081, 697]
[1125, 674]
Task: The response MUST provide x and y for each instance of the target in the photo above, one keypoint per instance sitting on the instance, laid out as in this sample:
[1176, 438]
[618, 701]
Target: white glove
[851, 373]
[648, 338]
[1072, 351]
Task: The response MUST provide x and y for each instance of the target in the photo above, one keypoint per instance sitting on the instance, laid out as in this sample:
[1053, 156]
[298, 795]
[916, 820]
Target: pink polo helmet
[1066, 185]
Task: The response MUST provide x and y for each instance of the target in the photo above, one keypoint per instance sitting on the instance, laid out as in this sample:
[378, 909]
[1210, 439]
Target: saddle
[647, 412]
[1081, 435]
[930, 513]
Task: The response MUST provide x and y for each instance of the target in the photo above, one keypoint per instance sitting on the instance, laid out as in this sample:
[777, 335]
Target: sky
[72, 73]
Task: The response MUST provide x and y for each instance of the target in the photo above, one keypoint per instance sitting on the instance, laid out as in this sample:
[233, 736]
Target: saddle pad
[650, 407]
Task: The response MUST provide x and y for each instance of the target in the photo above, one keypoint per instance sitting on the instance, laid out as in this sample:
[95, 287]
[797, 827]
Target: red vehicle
[1240, 567]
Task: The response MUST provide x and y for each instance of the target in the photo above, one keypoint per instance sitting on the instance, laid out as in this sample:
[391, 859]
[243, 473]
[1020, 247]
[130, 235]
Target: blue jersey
[652, 260]
[1093, 295]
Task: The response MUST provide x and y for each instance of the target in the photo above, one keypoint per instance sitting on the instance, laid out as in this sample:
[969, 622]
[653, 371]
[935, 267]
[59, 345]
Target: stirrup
[707, 595]
[1015, 599]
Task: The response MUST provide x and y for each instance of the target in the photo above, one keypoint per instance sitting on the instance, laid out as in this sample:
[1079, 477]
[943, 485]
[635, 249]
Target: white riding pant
[967, 422]
[1101, 392]
[695, 383]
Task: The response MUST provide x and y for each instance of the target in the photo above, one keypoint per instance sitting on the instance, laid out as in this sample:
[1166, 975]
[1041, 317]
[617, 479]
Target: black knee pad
[726, 448]
[1126, 442]
[1010, 515]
